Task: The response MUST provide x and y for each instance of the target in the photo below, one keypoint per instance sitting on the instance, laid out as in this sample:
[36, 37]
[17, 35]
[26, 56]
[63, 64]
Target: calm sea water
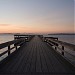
[65, 38]
[6, 37]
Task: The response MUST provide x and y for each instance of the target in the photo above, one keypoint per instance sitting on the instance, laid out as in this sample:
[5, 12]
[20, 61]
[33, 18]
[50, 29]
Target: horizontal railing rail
[27, 37]
[16, 43]
[56, 38]
[57, 43]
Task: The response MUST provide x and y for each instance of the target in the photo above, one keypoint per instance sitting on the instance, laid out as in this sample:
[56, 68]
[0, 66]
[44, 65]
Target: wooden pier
[35, 56]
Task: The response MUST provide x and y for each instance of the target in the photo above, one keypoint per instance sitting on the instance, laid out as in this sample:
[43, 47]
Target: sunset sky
[37, 16]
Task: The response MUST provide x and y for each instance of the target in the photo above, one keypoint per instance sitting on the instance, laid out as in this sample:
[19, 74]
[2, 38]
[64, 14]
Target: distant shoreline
[42, 34]
[62, 34]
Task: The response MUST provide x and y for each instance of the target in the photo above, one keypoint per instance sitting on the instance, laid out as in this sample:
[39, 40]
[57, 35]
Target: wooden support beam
[63, 50]
[55, 48]
[16, 47]
[9, 50]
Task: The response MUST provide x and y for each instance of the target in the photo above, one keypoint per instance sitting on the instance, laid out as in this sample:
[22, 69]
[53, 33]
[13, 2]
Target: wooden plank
[38, 62]
[13, 64]
[28, 62]
[21, 60]
[25, 58]
[43, 60]
[33, 61]
[57, 63]
[35, 56]
[48, 61]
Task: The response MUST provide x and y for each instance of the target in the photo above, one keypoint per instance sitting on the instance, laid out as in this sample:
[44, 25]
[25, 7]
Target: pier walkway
[36, 57]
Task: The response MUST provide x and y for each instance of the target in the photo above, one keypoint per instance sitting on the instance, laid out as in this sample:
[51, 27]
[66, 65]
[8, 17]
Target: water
[6, 38]
[65, 38]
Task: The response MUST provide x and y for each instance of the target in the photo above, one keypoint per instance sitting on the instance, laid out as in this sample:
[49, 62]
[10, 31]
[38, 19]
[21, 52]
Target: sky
[37, 16]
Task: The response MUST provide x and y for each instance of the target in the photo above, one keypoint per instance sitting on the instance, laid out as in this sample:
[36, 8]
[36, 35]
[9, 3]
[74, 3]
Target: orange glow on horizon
[35, 29]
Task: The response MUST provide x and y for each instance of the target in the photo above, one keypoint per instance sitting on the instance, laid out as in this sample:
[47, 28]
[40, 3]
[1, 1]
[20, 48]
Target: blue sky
[37, 16]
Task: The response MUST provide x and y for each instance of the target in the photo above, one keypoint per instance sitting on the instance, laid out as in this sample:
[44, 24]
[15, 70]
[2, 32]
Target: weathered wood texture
[36, 57]
[65, 44]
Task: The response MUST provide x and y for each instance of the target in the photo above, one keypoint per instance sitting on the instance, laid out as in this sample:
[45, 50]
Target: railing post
[16, 47]
[57, 38]
[9, 50]
[55, 48]
[27, 39]
[63, 50]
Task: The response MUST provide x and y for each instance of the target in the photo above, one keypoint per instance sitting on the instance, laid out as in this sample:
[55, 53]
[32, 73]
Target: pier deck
[36, 57]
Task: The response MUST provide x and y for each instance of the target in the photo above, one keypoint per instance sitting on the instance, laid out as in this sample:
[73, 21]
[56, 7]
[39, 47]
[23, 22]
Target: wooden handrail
[6, 51]
[65, 44]
[16, 42]
[3, 45]
[8, 44]
[57, 43]
[56, 38]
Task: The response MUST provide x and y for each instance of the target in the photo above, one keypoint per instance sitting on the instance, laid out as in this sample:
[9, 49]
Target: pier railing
[27, 37]
[57, 44]
[18, 41]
